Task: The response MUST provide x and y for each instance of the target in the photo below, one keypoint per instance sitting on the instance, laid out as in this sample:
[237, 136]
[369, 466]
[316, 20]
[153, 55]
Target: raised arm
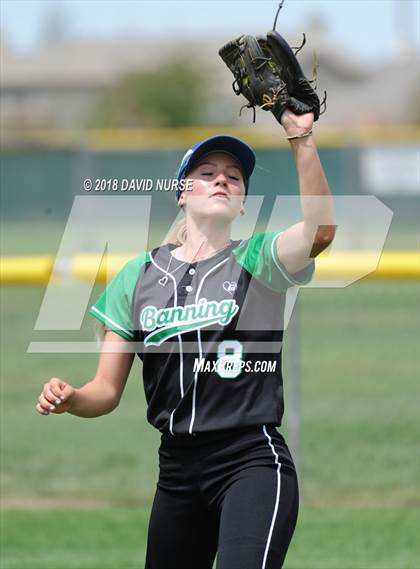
[98, 397]
[298, 244]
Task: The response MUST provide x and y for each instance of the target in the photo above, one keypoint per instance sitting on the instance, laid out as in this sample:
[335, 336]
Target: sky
[370, 29]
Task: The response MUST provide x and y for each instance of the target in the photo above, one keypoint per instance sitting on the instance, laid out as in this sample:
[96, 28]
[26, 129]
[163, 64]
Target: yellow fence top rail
[180, 138]
[26, 270]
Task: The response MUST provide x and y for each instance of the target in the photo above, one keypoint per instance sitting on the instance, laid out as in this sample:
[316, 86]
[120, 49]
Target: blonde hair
[177, 235]
[99, 330]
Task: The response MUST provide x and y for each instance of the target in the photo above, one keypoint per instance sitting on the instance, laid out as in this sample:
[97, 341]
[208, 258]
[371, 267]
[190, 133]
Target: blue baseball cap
[220, 143]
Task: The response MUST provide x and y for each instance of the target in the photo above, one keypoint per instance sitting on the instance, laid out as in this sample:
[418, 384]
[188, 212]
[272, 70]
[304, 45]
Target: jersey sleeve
[258, 255]
[114, 307]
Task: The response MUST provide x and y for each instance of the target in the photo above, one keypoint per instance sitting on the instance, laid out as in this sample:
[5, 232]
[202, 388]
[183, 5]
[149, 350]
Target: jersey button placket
[187, 280]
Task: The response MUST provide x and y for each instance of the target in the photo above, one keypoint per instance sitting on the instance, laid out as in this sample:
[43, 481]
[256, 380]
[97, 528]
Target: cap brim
[224, 143]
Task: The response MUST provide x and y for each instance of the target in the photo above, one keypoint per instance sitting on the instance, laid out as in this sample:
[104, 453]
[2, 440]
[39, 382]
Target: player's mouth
[220, 195]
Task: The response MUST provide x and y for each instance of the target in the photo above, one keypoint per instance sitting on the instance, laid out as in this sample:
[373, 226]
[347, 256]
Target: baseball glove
[257, 77]
[269, 75]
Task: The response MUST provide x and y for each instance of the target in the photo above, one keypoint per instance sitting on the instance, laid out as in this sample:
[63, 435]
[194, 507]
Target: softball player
[227, 483]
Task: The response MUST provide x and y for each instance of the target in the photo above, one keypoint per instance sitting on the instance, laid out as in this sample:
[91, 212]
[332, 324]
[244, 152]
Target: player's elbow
[325, 234]
[108, 410]
[107, 396]
[324, 237]
[113, 402]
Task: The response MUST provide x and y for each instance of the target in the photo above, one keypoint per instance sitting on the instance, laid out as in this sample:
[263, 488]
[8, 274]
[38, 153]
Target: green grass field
[76, 493]
[325, 538]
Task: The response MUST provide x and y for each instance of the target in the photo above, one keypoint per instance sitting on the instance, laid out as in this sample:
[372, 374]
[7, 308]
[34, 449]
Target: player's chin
[222, 209]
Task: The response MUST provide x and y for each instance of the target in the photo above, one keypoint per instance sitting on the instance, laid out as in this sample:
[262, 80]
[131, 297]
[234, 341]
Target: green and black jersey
[209, 333]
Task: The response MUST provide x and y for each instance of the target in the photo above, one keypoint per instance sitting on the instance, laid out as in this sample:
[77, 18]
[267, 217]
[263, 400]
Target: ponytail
[178, 234]
[99, 330]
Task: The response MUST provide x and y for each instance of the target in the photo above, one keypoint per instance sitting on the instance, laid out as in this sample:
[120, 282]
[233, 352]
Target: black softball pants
[233, 493]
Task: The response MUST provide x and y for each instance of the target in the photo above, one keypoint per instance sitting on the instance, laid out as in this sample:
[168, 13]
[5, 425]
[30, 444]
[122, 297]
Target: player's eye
[234, 178]
[206, 173]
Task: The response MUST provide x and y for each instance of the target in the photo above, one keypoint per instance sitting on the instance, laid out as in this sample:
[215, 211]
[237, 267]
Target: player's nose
[221, 180]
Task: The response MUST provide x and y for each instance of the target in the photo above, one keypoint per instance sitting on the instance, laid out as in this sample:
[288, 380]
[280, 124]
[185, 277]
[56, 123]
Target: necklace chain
[164, 279]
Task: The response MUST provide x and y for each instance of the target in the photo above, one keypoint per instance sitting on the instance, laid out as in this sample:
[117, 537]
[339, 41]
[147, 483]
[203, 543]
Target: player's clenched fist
[56, 397]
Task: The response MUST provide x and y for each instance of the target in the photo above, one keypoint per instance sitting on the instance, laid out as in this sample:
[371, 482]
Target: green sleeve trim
[110, 323]
[302, 277]
[114, 307]
[247, 252]
[258, 255]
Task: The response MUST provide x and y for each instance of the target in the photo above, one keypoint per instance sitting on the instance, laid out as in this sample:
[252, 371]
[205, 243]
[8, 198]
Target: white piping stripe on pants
[276, 507]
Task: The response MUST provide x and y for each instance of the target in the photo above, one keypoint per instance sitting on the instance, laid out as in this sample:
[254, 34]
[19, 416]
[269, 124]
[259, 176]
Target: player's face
[218, 188]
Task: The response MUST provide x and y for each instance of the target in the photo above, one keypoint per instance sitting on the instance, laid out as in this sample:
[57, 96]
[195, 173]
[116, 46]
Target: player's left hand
[296, 125]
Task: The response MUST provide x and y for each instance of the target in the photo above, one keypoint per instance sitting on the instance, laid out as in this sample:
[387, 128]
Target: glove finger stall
[303, 97]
